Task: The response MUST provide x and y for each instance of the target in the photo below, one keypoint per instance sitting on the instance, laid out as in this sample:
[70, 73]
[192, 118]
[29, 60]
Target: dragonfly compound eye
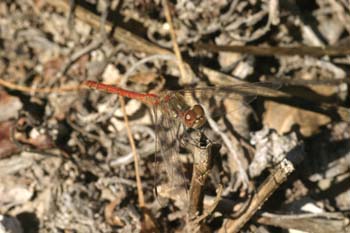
[195, 117]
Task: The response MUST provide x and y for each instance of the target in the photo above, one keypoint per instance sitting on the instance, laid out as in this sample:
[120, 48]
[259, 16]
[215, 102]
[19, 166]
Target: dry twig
[45, 90]
[266, 189]
[184, 77]
[202, 164]
[149, 224]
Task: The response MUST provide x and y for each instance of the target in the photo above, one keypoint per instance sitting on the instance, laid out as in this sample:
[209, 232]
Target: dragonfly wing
[241, 94]
[168, 132]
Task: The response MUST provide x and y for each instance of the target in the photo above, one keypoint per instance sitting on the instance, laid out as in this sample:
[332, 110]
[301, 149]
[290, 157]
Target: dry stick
[149, 223]
[202, 163]
[184, 77]
[45, 90]
[141, 198]
[265, 190]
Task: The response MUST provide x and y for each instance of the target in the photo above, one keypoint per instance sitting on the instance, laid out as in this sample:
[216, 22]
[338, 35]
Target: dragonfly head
[195, 117]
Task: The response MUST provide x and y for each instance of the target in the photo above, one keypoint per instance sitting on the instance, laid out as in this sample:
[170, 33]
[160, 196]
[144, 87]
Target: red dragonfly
[177, 111]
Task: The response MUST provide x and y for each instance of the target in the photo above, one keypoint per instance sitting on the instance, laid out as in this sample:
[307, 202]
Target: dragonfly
[181, 110]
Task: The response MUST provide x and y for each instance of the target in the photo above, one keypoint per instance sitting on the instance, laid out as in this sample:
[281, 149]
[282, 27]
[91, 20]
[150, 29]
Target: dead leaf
[283, 117]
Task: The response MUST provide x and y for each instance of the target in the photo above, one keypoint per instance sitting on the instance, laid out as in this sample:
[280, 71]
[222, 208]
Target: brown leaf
[283, 118]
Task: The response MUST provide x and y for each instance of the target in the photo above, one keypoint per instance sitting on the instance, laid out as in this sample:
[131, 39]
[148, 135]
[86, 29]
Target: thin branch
[149, 223]
[141, 198]
[202, 164]
[185, 78]
[45, 90]
[270, 185]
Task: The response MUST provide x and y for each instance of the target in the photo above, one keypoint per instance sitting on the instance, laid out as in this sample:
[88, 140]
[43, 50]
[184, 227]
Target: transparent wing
[171, 182]
[243, 93]
[243, 89]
